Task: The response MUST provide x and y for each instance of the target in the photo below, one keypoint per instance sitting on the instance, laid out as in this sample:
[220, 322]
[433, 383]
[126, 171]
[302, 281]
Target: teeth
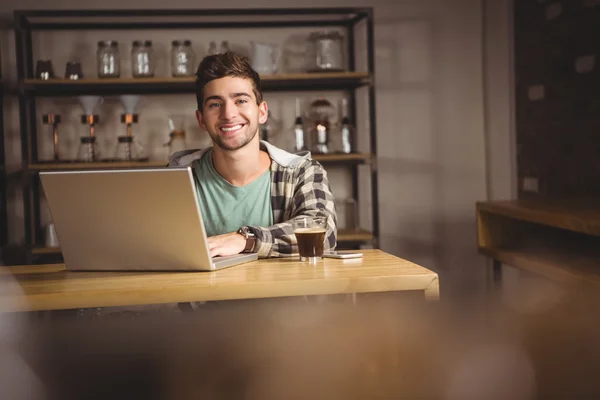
[233, 128]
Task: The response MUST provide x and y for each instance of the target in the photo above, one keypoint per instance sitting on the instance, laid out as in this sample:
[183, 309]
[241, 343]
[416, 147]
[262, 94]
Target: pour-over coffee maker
[129, 149]
[88, 148]
[177, 140]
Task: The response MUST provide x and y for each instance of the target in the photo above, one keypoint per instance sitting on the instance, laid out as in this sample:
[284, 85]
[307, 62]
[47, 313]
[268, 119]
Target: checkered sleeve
[311, 196]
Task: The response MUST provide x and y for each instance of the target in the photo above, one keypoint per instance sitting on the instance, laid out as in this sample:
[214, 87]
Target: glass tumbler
[310, 235]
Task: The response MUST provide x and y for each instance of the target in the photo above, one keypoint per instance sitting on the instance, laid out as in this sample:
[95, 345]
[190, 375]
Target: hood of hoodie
[286, 159]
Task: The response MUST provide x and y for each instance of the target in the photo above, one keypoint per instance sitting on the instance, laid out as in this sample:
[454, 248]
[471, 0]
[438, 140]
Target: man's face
[230, 114]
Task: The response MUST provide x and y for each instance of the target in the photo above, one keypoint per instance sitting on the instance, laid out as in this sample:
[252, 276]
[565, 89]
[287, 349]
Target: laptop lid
[128, 220]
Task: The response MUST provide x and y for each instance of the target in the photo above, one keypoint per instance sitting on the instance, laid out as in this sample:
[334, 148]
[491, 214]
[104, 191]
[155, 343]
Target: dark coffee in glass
[310, 236]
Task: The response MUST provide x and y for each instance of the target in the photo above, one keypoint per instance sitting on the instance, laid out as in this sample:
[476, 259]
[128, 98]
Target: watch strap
[250, 239]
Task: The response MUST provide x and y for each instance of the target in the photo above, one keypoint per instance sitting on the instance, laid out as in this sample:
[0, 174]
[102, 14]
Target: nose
[229, 110]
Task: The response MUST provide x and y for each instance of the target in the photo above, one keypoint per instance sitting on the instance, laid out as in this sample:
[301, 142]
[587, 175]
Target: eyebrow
[233, 96]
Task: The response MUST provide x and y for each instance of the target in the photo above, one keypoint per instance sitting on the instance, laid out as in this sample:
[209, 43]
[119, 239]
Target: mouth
[231, 129]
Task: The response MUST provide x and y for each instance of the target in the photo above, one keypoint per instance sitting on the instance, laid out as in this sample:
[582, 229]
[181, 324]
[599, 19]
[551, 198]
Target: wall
[430, 116]
[557, 97]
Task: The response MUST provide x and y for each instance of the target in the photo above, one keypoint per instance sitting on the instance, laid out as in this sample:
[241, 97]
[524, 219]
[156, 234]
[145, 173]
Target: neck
[242, 166]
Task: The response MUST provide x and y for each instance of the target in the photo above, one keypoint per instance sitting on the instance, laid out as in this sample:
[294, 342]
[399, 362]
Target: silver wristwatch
[250, 239]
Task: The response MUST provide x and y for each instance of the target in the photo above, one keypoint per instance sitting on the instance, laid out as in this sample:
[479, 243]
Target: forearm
[311, 197]
[279, 240]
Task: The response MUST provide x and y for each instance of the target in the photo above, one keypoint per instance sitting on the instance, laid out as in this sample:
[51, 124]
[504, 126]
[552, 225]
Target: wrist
[250, 238]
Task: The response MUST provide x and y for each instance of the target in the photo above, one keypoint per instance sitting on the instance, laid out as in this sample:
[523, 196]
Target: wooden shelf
[45, 250]
[54, 166]
[559, 265]
[354, 158]
[343, 236]
[360, 235]
[578, 215]
[167, 85]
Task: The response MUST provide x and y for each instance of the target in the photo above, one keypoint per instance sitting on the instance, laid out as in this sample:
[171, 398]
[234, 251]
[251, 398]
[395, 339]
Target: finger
[212, 242]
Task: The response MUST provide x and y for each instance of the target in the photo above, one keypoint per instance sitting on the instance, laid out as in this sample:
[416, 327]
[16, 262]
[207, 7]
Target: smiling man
[249, 190]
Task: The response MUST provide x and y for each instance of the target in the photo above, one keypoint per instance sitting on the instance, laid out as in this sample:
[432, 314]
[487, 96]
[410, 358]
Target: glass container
[142, 59]
[176, 134]
[326, 52]
[128, 149]
[183, 59]
[109, 61]
[88, 149]
[321, 111]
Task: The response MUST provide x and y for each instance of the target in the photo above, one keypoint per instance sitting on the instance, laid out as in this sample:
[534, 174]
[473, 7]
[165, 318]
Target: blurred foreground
[385, 346]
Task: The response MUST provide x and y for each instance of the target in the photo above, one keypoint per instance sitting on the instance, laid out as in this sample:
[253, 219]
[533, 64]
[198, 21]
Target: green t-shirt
[225, 207]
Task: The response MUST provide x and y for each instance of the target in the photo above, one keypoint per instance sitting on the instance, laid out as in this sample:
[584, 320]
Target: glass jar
[326, 51]
[88, 149]
[183, 59]
[109, 61]
[128, 149]
[320, 112]
[142, 59]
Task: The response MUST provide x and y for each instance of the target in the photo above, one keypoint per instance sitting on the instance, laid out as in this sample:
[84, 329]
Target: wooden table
[51, 287]
[557, 239]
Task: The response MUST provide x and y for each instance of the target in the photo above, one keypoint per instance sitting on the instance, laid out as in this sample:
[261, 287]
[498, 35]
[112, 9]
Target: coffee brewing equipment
[127, 147]
[130, 117]
[89, 117]
[321, 111]
[176, 134]
[88, 150]
[54, 120]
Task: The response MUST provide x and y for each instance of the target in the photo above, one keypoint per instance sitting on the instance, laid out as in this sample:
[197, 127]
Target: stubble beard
[218, 140]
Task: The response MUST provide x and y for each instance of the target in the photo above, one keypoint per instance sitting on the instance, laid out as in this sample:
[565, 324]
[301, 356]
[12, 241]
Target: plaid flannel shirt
[299, 186]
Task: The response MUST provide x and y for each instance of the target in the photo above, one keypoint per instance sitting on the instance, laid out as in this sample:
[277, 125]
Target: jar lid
[108, 43]
[125, 139]
[185, 42]
[145, 43]
[325, 35]
[88, 139]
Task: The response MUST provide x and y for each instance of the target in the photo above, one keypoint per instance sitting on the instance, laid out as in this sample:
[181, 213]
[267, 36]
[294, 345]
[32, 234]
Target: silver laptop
[131, 220]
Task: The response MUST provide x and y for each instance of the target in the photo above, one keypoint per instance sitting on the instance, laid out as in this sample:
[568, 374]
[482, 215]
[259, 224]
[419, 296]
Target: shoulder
[186, 157]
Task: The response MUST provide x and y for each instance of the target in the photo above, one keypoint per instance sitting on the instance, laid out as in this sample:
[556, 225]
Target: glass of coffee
[310, 235]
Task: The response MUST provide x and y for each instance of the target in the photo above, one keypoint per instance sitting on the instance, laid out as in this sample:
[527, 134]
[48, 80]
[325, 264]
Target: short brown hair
[225, 64]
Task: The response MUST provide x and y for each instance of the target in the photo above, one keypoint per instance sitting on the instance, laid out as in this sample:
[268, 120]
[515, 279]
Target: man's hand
[227, 244]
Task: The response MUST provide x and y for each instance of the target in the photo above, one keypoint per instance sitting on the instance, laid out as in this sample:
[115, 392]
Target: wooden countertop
[51, 287]
[577, 215]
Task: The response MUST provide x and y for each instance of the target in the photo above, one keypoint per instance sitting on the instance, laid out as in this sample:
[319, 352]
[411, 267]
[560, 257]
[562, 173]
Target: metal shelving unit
[29, 23]
[3, 178]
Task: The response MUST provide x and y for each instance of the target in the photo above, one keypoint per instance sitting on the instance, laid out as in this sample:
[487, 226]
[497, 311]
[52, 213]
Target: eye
[213, 105]
[242, 101]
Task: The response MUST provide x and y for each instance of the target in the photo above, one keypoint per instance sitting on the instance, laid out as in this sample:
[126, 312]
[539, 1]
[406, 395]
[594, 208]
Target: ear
[263, 112]
[200, 119]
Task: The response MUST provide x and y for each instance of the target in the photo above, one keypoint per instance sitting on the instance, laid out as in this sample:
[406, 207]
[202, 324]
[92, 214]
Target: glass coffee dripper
[176, 134]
